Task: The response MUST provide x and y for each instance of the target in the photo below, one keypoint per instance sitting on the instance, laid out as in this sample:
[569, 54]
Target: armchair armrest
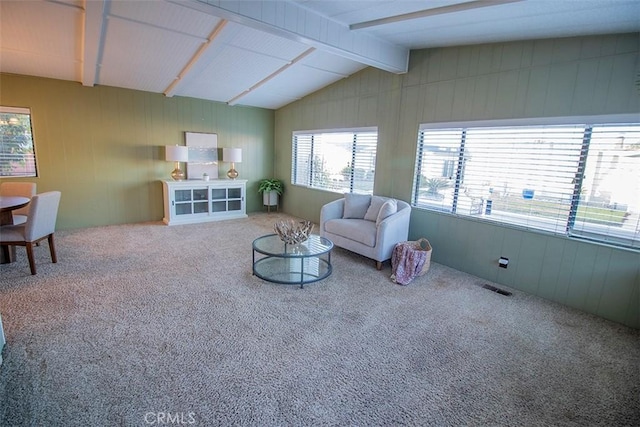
[391, 230]
[331, 210]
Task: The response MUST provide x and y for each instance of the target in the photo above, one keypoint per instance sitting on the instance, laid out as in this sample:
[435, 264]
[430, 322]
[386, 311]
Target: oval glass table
[298, 264]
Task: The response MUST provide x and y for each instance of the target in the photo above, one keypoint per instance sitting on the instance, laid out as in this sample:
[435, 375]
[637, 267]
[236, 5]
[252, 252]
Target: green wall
[544, 78]
[102, 146]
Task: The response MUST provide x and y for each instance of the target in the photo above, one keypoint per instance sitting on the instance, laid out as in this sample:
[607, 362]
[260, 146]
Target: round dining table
[8, 204]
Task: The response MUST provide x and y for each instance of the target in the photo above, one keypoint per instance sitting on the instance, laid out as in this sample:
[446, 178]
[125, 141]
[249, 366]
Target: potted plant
[270, 190]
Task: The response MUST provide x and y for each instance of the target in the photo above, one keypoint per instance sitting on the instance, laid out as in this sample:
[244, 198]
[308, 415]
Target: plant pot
[270, 198]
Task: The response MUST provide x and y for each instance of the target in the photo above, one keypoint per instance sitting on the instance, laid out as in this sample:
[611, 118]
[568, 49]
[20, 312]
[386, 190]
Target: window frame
[303, 174]
[4, 109]
[571, 230]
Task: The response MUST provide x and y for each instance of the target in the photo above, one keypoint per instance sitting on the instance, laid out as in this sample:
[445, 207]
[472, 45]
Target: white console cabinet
[187, 202]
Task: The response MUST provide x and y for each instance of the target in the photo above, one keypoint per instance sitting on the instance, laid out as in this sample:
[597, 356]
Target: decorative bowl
[293, 232]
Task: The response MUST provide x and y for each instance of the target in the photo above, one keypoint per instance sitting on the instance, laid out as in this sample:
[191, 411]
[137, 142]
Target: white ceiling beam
[92, 39]
[457, 7]
[173, 87]
[297, 59]
[289, 20]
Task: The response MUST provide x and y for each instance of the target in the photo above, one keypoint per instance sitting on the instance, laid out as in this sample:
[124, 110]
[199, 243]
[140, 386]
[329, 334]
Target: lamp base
[177, 174]
[233, 173]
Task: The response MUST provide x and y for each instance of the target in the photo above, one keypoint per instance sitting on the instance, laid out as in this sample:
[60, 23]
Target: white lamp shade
[176, 153]
[232, 155]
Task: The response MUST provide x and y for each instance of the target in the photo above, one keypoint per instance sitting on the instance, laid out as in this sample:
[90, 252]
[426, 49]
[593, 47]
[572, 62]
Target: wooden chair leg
[52, 249]
[32, 262]
[379, 265]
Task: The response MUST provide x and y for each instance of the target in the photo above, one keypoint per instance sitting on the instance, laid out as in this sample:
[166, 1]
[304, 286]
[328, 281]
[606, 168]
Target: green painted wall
[545, 78]
[103, 146]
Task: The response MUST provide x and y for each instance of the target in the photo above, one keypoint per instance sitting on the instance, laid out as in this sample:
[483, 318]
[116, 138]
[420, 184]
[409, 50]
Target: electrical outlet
[503, 262]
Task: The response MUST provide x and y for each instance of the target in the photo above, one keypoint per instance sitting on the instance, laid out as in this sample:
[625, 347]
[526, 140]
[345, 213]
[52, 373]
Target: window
[342, 161]
[17, 149]
[578, 180]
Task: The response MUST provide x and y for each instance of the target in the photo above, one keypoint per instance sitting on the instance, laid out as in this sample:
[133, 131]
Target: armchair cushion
[388, 208]
[356, 205]
[374, 208]
[357, 230]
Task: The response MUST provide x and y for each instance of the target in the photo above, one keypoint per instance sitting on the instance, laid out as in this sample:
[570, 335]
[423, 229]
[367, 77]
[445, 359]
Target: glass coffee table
[298, 264]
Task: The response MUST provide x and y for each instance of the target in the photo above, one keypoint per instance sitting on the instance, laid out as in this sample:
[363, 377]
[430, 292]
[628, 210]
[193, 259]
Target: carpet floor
[145, 324]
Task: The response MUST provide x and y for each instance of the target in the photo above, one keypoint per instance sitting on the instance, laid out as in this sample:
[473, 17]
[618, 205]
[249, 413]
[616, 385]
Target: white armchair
[367, 225]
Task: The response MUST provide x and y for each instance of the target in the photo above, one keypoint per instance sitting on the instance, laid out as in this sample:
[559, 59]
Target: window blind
[578, 180]
[17, 151]
[363, 162]
[302, 160]
[339, 160]
[609, 198]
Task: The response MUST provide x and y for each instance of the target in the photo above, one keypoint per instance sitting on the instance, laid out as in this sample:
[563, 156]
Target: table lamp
[233, 156]
[177, 154]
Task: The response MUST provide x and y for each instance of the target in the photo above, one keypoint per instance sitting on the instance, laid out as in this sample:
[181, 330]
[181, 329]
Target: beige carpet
[143, 323]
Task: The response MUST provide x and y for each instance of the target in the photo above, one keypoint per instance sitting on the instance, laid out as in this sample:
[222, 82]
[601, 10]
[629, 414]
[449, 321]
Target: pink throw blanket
[406, 263]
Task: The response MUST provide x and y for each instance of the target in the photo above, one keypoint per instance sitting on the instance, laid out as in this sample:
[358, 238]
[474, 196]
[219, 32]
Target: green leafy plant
[434, 185]
[268, 185]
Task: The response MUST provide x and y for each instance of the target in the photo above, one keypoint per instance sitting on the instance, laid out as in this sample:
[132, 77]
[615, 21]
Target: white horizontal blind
[364, 162]
[340, 161]
[302, 159]
[436, 168]
[332, 154]
[525, 174]
[609, 198]
[578, 180]
[17, 150]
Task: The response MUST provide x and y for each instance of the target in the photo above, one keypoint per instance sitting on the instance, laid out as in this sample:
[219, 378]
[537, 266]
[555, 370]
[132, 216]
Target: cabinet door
[234, 199]
[200, 201]
[182, 203]
[191, 201]
[218, 200]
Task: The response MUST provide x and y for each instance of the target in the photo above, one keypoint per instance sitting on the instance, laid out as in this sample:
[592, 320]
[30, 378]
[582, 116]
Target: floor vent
[497, 290]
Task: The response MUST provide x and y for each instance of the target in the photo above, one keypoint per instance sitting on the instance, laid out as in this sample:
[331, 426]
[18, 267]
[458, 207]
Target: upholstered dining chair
[22, 189]
[40, 225]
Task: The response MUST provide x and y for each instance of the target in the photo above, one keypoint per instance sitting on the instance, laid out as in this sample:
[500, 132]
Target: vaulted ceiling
[268, 53]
